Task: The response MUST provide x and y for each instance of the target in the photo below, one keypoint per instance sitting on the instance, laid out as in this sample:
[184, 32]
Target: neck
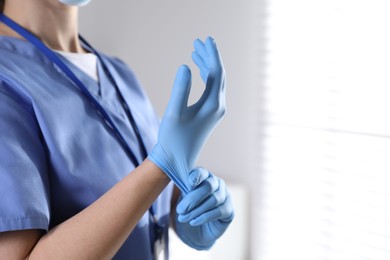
[53, 23]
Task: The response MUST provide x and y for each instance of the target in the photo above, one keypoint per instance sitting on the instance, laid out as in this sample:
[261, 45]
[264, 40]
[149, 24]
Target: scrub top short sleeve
[24, 194]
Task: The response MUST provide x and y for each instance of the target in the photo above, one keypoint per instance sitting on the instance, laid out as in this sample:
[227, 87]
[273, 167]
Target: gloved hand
[184, 129]
[205, 213]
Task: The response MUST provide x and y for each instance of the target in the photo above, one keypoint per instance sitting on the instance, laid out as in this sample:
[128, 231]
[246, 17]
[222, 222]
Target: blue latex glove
[184, 129]
[205, 213]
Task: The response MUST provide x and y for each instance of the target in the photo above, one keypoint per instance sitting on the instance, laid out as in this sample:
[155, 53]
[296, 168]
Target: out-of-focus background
[305, 145]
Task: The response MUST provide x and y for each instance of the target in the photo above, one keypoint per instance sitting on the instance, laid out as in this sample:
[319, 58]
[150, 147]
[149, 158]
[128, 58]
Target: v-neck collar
[93, 86]
[104, 84]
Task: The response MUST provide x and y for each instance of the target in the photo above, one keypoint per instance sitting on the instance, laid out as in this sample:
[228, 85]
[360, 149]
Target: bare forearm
[99, 231]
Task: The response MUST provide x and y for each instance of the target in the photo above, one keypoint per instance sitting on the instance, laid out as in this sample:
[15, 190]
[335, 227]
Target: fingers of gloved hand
[198, 60]
[180, 92]
[197, 195]
[224, 213]
[213, 98]
[214, 61]
[200, 48]
[197, 176]
[213, 201]
[215, 65]
[204, 73]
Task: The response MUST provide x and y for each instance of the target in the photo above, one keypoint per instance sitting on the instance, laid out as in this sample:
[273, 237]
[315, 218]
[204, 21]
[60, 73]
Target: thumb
[180, 92]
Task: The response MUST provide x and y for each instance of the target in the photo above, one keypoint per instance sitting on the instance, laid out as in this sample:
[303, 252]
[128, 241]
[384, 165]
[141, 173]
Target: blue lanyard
[52, 56]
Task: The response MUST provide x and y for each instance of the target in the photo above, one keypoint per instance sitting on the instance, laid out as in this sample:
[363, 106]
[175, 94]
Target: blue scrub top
[57, 156]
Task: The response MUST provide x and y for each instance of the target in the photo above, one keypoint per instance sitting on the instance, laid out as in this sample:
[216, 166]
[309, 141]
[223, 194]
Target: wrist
[155, 170]
[175, 168]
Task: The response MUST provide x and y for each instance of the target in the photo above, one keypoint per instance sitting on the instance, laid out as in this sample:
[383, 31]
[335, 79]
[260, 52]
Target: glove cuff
[167, 163]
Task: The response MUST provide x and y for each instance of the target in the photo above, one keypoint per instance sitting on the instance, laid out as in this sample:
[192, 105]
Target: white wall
[155, 37]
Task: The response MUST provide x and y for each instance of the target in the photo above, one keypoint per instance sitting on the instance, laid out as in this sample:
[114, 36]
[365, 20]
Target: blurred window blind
[326, 132]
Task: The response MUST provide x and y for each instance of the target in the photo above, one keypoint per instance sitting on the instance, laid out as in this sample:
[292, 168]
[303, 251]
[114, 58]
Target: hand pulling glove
[206, 212]
[184, 129]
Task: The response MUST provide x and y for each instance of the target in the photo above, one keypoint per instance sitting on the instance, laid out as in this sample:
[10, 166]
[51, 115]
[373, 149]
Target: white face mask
[75, 2]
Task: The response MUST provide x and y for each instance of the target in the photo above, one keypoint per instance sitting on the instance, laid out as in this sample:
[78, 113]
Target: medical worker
[85, 164]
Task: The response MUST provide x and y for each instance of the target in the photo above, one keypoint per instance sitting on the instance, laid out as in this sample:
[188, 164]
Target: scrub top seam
[27, 107]
[24, 223]
[37, 58]
[21, 218]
